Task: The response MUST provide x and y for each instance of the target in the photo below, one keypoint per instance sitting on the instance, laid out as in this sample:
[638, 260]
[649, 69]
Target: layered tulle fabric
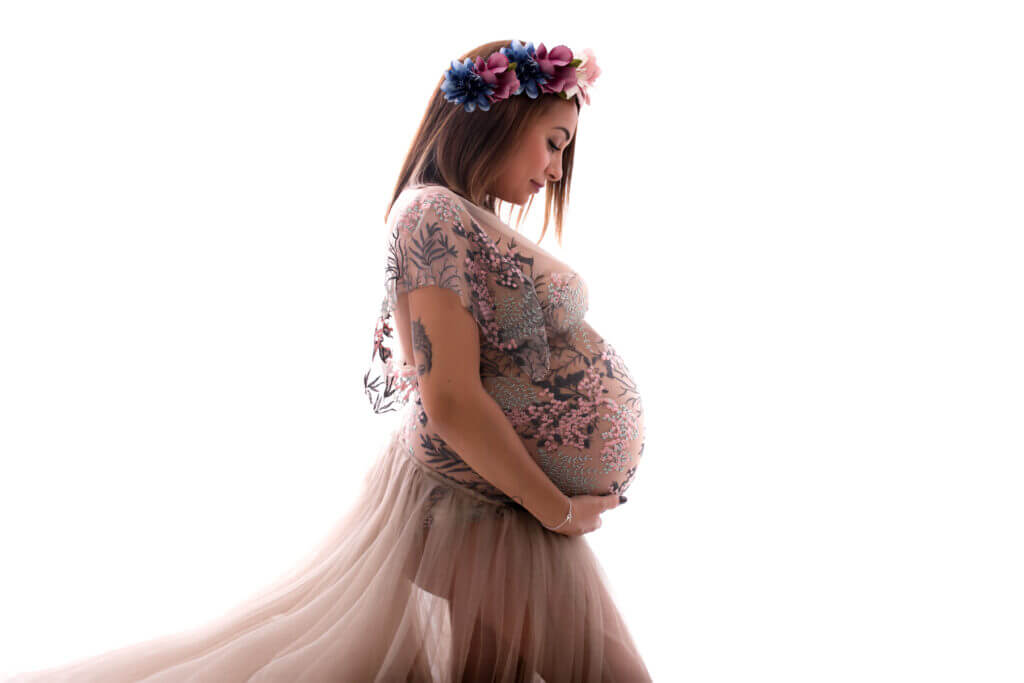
[420, 580]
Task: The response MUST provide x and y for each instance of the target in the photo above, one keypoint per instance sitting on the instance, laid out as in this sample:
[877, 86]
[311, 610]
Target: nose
[555, 169]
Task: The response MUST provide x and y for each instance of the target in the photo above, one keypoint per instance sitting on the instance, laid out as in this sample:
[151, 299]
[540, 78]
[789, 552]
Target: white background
[800, 223]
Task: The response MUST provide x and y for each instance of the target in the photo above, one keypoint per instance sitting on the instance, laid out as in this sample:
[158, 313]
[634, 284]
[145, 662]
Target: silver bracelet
[568, 518]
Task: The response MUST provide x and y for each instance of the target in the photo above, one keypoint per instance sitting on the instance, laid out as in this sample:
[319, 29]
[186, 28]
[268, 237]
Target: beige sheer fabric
[433, 574]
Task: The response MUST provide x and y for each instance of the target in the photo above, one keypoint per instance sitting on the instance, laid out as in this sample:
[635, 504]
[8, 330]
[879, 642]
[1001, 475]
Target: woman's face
[538, 157]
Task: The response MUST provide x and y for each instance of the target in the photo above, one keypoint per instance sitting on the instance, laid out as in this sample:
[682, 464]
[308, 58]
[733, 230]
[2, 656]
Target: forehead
[562, 113]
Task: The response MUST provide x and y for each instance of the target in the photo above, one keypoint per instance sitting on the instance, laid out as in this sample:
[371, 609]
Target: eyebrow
[564, 130]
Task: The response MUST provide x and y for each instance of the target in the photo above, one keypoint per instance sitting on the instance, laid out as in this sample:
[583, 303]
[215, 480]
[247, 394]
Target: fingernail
[622, 499]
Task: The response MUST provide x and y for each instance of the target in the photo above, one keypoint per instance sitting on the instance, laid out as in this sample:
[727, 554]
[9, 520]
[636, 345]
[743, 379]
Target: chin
[521, 200]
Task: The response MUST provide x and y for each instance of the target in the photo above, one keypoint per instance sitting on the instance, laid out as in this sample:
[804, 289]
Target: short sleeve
[431, 243]
[435, 241]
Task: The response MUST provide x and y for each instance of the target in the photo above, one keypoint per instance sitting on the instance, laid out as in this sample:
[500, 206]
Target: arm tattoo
[421, 343]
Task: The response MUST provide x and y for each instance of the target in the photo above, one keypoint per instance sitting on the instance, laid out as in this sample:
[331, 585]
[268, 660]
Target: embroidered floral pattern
[434, 242]
[567, 302]
[566, 391]
[558, 422]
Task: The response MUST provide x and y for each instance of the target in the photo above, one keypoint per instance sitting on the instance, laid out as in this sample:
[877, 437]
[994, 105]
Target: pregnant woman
[463, 558]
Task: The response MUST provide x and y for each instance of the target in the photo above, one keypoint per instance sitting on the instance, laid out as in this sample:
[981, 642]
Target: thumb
[612, 500]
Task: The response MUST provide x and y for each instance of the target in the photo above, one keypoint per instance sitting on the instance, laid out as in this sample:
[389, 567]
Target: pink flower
[495, 72]
[586, 73]
[555, 65]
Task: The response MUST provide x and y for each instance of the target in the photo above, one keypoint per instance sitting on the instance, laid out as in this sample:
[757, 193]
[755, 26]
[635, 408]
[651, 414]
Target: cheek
[531, 160]
[539, 155]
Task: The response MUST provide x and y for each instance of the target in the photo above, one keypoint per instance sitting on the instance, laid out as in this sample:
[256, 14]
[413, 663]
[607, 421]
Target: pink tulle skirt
[420, 580]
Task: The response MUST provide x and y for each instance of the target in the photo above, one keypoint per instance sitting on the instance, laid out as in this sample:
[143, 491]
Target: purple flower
[496, 73]
[557, 66]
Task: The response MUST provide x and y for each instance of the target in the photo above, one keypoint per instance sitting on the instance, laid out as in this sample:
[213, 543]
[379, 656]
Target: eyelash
[552, 145]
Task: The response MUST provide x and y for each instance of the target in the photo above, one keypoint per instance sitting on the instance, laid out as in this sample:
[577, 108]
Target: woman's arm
[476, 427]
[446, 346]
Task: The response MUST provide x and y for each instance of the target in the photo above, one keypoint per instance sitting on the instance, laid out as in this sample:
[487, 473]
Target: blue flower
[527, 70]
[463, 85]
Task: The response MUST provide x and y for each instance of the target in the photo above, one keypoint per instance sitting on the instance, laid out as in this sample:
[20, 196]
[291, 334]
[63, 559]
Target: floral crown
[517, 68]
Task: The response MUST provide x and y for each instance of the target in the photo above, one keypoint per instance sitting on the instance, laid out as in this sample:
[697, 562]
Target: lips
[536, 186]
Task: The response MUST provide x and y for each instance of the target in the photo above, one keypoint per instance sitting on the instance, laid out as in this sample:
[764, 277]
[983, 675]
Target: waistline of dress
[441, 479]
[454, 484]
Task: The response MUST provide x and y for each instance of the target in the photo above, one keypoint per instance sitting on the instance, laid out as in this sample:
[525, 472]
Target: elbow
[442, 407]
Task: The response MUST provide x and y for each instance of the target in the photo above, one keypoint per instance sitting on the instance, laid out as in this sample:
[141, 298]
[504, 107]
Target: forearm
[475, 426]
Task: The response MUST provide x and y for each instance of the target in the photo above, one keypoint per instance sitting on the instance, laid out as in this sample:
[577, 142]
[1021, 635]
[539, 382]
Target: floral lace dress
[566, 391]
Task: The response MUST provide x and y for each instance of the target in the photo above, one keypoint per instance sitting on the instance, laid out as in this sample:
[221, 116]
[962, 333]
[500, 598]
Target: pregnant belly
[584, 423]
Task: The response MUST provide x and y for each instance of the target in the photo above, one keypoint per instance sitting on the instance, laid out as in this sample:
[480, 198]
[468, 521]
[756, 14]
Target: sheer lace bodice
[564, 388]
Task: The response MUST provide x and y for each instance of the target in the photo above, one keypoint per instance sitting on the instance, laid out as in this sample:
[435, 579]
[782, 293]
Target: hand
[586, 514]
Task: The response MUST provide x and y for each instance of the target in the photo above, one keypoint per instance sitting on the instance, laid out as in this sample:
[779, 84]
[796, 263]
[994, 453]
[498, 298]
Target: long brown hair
[464, 150]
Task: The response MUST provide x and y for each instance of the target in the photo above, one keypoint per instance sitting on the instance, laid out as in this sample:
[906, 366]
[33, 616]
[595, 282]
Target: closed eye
[552, 146]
